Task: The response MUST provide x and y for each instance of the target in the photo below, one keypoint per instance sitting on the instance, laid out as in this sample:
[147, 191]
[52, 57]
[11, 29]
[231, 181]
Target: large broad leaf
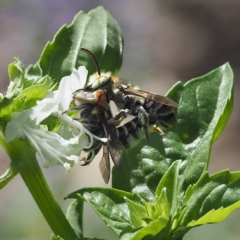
[96, 31]
[109, 204]
[205, 104]
[75, 216]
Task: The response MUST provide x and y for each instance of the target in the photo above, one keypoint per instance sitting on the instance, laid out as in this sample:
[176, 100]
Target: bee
[96, 116]
[150, 108]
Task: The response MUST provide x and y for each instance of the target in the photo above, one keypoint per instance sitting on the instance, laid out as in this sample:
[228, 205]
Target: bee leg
[121, 114]
[145, 129]
[119, 117]
[143, 119]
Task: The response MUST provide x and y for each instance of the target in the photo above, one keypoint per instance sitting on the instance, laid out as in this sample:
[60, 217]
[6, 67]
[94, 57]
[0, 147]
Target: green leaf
[23, 92]
[7, 176]
[16, 74]
[7, 107]
[137, 213]
[109, 204]
[12, 170]
[24, 99]
[162, 205]
[215, 216]
[205, 104]
[219, 191]
[96, 31]
[152, 229]
[170, 182]
[35, 92]
[151, 210]
[128, 213]
[33, 71]
[75, 216]
[20, 80]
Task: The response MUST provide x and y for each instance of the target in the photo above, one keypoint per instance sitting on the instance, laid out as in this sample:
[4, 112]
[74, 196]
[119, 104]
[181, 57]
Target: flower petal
[70, 84]
[61, 98]
[55, 150]
[15, 127]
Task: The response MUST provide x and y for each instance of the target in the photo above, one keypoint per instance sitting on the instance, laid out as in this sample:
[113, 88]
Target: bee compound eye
[121, 89]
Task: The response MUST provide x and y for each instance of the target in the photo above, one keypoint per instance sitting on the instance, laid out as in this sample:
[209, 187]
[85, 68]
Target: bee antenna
[93, 58]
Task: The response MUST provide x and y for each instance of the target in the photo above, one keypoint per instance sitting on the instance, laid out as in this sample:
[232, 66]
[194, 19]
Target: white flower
[53, 148]
[60, 99]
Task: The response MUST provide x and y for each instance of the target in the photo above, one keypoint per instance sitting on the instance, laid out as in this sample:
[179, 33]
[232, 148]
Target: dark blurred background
[165, 41]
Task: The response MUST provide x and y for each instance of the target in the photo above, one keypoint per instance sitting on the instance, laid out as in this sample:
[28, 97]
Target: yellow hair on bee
[96, 76]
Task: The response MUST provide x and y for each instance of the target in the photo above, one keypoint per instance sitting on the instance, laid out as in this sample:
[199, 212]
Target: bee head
[104, 81]
[97, 80]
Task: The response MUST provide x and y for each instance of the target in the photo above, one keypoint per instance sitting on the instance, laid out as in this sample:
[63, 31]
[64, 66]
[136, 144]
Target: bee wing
[117, 152]
[151, 96]
[104, 164]
[115, 147]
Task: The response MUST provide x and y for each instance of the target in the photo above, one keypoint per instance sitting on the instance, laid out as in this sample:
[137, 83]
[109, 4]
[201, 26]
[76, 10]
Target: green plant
[164, 189]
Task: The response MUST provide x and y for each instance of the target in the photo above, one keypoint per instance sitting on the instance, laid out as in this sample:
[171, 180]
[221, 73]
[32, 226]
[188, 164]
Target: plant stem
[24, 159]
